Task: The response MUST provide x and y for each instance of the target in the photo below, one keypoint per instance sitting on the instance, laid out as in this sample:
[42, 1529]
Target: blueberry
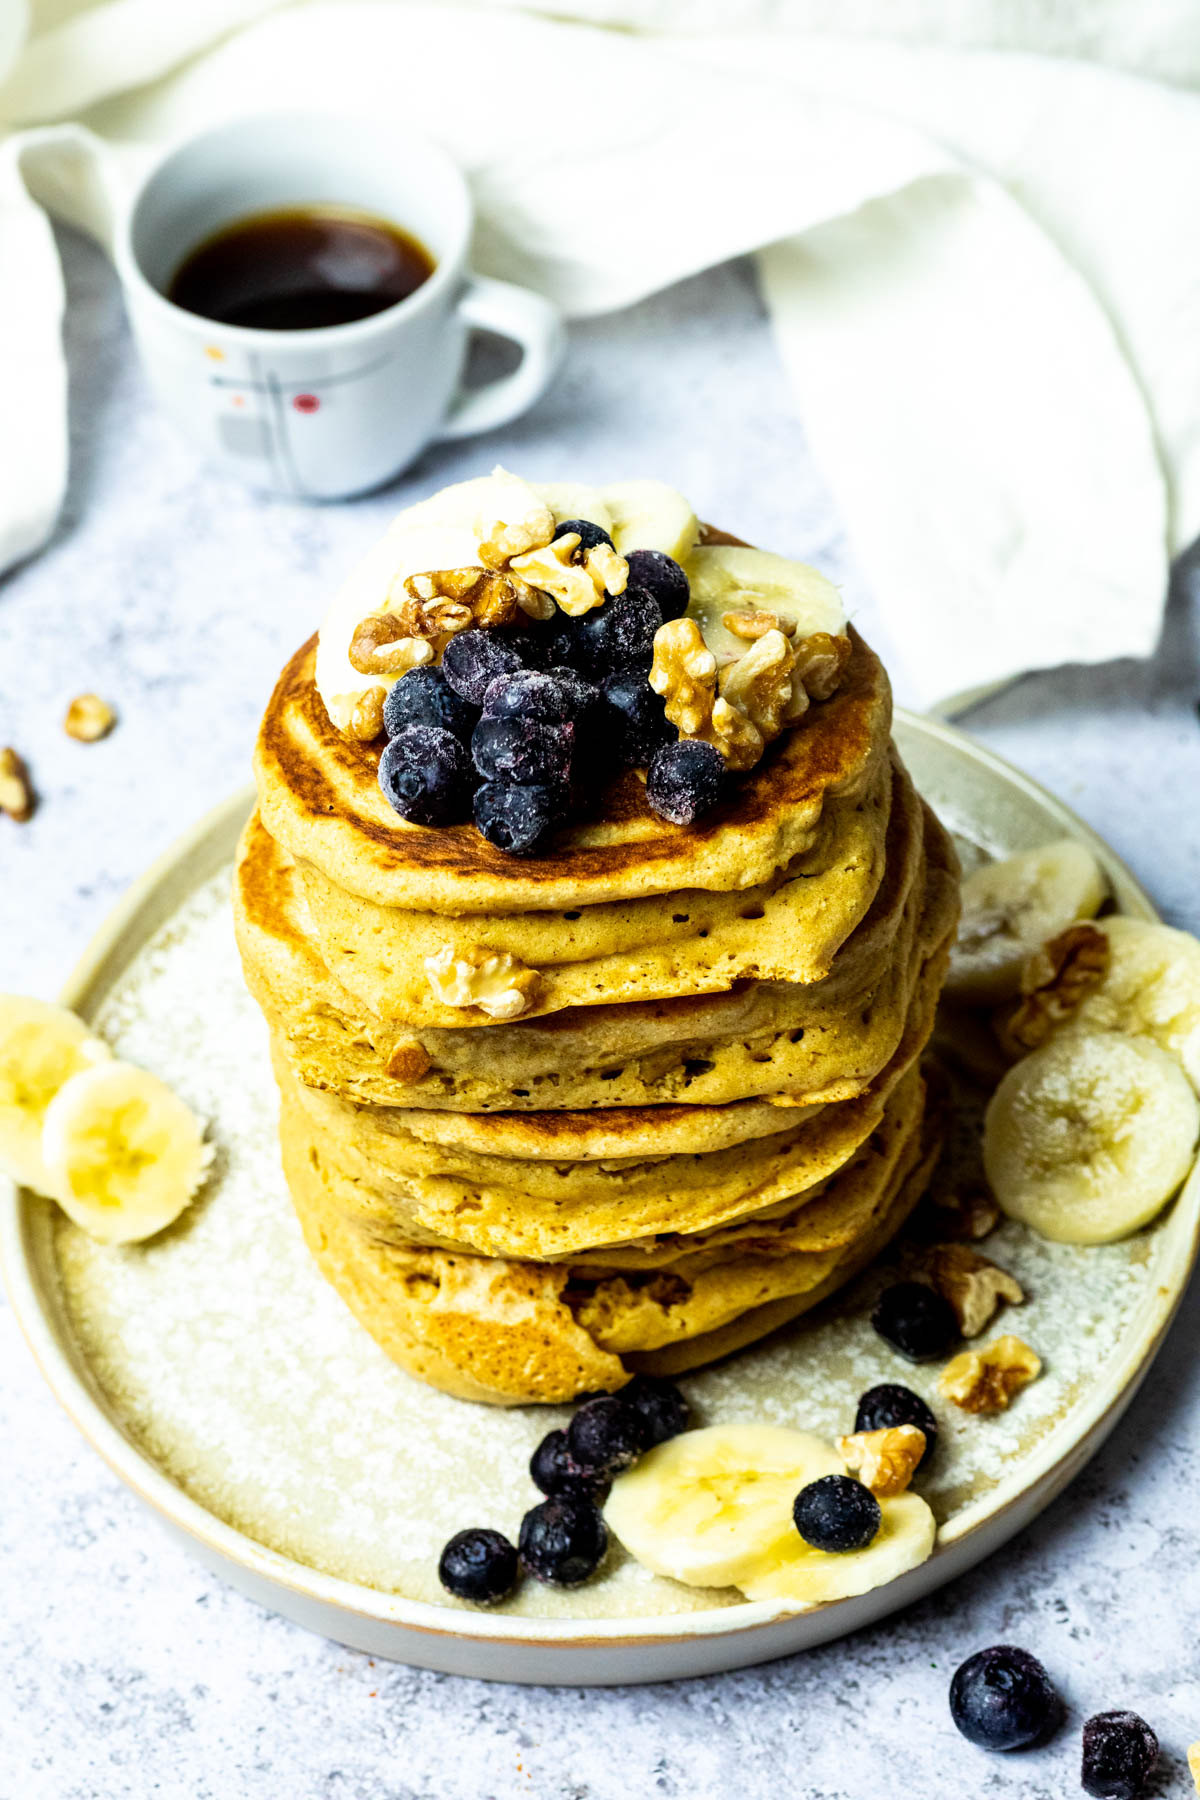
[659, 575]
[517, 818]
[523, 751]
[555, 1471]
[636, 717]
[563, 1541]
[605, 1436]
[425, 697]
[837, 1513]
[478, 1565]
[660, 1407]
[550, 695]
[1001, 1699]
[473, 659]
[589, 536]
[617, 635]
[684, 780]
[915, 1320]
[1119, 1753]
[425, 773]
[891, 1404]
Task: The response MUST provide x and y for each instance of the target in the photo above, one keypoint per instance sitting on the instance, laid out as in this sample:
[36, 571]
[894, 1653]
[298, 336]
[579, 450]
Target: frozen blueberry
[589, 535]
[472, 661]
[425, 773]
[523, 750]
[478, 1565]
[892, 1404]
[916, 1321]
[555, 1471]
[517, 818]
[617, 635]
[1119, 1754]
[425, 697]
[837, 1513]
[684, 780]
[659, 575]
[549, 695]
[563, 1541]
[660, 1407]
[1001, 1699]
[605, 1436]
[634, 714]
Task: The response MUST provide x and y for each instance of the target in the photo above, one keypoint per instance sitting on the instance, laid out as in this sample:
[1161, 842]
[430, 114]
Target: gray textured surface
[124, 1669]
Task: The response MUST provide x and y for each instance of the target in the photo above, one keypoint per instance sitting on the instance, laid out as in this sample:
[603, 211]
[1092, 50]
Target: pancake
[513, 1332]
[319, 797]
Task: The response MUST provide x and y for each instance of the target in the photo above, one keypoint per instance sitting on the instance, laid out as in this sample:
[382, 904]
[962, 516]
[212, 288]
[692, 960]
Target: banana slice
[808, 1577]
[649, 515]
[1011, 908]
[1089, 1137]
[41, 1047]
[728, 578]
[713, 1507]
[1150, 989]
[124, 1154]
[575, 500]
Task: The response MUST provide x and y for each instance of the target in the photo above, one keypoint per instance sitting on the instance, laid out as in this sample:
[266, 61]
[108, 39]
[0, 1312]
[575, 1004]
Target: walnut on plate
[985, 1381]
[89, 718]
[1055, 982]
[16, 789]
[974, 1286]
[886, 1460]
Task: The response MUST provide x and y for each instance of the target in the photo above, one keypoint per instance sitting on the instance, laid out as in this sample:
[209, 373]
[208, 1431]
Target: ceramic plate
[227, 1384]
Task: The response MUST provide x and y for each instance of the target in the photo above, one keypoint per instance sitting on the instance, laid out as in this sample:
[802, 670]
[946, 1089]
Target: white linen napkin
[985, 285]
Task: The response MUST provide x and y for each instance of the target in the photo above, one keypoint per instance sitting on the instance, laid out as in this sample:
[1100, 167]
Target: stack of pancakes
[710, 1116]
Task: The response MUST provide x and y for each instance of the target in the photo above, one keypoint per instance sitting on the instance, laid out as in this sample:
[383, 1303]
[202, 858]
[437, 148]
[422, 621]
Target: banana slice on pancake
[728, 578]
[41, 1048]
[649, 515]
[1087, 1139]
[1011, 908]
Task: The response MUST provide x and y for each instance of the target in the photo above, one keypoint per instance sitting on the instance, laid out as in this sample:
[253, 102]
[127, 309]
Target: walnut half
[383, 644]
[885, 1461]
[974, 1286]
[684, 672]
[985, 1381]
[1055, 982]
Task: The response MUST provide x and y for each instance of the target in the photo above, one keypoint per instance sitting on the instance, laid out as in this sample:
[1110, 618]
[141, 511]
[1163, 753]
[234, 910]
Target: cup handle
[528, 320]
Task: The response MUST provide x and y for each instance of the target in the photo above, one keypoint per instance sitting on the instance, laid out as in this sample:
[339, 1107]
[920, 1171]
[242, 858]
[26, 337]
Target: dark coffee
[300, 267]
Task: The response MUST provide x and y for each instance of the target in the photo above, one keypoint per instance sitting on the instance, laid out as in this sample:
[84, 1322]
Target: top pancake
[319, 797]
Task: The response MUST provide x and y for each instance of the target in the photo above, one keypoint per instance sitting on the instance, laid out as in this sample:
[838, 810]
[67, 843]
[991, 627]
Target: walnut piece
[16, 789]
[364, 720]
[731, 732]
[751, 625]
[499, 985]
[968, 1212]
[448, 600]
[89, 718]
[383, 645]
[985, 1381]
[760, 684]
[577, 587]
[885, 1461]
[821, 662]
[1055, 982]
[408, 1061]
[974, 1286]
[684, 672]
[500, 540]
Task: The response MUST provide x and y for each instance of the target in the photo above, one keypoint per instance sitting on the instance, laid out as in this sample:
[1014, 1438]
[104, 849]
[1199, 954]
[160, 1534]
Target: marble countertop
[125, 1669]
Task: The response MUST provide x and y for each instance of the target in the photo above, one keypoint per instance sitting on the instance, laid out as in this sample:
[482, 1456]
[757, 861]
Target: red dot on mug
[306, 403]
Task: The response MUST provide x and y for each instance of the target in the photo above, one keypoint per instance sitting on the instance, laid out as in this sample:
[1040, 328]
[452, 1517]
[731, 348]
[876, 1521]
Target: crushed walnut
[684, 672]
[89, 718]
[885, 1461]
[499, 985]
[985, 1381]
[974, 1286]
[1055, 982]
[16, 789]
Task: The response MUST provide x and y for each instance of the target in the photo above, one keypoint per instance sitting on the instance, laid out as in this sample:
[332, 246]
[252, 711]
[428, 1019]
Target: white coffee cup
[335, 410]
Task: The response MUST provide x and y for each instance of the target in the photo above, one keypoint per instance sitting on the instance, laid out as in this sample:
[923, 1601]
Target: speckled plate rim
[733, 1636]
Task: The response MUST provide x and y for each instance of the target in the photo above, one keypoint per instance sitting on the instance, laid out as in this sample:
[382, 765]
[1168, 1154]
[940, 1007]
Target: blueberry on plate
[617, 635]
[517, 818]
[635, 716]
[554, 1470]
[891, 1404]
[605, 1436]
[425, 697]
[915, 1320]
[523, 751]
[837, 1514]
[425, 773]
[660, 1407]
[659, 575]
[1002, 1699]
[473, 659]
[478, 1565]
[1119, 1754]
[563, 1541]
[684, 780]
[589, 536]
